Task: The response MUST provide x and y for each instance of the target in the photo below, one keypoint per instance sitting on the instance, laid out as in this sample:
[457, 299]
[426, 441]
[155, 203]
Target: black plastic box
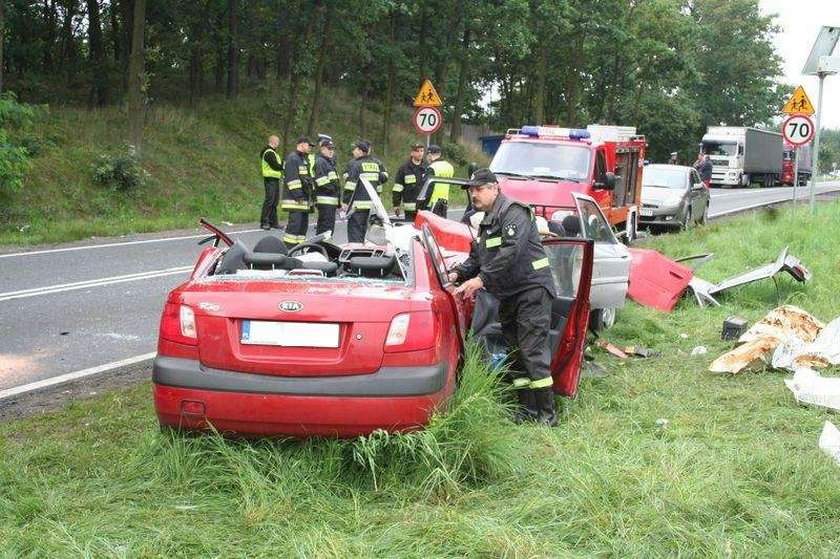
[733, 327]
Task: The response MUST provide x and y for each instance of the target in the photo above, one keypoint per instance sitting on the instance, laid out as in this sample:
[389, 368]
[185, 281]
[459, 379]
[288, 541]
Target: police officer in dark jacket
[356, 197]
[508, 260]
[298, 193]
[407, 183]
[326, 187]
[272, 171]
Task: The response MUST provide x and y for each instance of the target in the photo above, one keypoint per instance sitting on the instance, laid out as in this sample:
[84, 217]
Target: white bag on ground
[830, 441]
[810, 388]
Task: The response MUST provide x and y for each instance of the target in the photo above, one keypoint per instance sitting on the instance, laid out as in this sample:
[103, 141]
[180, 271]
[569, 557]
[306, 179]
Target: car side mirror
[609, 182]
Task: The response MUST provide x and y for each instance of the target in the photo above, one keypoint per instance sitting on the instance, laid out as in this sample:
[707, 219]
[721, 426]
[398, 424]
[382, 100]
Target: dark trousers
[357, 226]
[269, 207]
[525, 320]
[440, 207]
[296, 227]
[326, 219]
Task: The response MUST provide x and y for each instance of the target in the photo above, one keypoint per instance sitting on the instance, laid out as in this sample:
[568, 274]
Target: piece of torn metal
[656, 280]
[705, 291]
[809, 387]
[829, 441]
[783, 322]
[696, 260]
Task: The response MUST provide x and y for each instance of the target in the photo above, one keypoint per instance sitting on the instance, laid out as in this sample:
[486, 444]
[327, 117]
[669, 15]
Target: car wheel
[685, 224]
[601, 319]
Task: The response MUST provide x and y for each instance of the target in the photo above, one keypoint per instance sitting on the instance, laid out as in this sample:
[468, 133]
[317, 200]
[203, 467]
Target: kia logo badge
[289, 306]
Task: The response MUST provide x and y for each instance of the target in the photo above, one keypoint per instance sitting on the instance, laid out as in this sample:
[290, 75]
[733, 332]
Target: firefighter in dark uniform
[272, 172]
[326, 187]
[508, 260]
[439, 167]
[407, 183]
[298, 193]
[356, 197]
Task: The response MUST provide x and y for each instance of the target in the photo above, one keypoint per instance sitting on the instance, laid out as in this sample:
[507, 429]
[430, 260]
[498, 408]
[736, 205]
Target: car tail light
[411, 331]
[177, 324]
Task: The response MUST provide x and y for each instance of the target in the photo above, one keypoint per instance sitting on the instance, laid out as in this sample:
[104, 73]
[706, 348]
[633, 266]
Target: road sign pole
[795, 174]
[815, 171]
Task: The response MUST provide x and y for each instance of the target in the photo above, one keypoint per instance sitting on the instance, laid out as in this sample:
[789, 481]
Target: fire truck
[544, 165]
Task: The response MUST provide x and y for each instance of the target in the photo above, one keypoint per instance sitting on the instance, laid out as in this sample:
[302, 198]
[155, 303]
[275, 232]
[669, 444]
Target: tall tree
[96, 55]
[136, 76]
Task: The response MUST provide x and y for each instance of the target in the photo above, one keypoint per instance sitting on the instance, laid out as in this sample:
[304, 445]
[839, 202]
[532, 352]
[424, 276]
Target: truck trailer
[742, 156]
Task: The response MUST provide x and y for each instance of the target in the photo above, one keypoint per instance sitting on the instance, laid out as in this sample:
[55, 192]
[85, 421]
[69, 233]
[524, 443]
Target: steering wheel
[310, 246]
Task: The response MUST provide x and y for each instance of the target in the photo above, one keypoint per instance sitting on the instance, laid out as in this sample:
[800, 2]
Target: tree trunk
[297, 75]
[424, 31]
[135, 81]
[50, 18]
[195, 73]
[97, 55]
[323, 54]
[390, 87]
[455, 131]
[573, 82]
[539, 92]
[233, 51]
[2, 39]
[114, 34]
[68, 40]
[127, 12]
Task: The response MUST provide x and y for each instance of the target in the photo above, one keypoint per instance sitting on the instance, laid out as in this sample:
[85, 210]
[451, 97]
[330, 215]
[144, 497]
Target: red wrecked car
[336, 340]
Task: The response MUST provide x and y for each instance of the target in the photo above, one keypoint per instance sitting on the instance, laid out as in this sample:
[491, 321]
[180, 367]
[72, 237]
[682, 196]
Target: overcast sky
[800, 22]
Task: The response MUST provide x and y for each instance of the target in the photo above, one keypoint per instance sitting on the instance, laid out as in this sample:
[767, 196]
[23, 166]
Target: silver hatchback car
[673, 196]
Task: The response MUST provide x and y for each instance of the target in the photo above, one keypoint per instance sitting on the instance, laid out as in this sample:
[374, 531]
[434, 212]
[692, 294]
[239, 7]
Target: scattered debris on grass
[733, 328]
[830, 441]
[659, 282]
[700, 350]
[778, 327]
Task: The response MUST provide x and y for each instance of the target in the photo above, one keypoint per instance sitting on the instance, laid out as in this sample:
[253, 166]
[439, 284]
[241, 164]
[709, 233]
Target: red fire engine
[543, 165]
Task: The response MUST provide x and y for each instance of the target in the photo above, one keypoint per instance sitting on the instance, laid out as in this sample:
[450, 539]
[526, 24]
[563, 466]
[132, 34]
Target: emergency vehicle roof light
[530, 130]
[578, 134]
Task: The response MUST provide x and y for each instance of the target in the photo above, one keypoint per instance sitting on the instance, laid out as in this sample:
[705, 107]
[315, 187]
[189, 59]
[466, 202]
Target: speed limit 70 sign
[427, 120]
[798, 130]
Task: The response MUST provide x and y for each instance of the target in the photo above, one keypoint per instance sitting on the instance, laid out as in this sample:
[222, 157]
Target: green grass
[200, 163]
[735, 472]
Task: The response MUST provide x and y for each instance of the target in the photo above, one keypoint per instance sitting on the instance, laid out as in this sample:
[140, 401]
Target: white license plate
[646, 213]
[289, 334]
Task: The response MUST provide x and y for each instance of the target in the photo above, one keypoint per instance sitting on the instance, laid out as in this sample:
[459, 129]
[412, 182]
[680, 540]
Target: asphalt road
[67, 311]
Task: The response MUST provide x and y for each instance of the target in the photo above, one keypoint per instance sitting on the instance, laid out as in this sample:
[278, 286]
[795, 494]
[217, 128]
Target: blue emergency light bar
[571, 133]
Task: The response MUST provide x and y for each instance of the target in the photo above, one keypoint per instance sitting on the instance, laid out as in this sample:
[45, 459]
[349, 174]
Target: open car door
[571, 262]
[458, 304]
[611, 265]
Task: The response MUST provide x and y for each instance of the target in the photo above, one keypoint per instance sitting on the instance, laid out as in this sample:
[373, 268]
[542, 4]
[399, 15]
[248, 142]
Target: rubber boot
[546, 406]
[527, 410]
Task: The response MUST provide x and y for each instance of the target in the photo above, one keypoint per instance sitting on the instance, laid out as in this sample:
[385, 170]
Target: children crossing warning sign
[799, 104]
[427, 96]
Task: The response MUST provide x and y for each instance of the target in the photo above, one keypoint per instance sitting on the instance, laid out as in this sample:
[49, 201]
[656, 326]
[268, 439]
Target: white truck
[742, 156]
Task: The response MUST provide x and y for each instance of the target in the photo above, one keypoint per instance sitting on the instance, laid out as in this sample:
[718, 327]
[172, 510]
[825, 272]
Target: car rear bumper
[189, 396]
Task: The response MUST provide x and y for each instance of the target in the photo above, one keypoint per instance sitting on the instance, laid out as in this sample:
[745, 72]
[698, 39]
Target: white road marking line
[17, 390]
[126, 243]
[48, 290]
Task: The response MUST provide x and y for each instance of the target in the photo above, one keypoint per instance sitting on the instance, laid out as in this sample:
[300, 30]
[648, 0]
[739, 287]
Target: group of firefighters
[311, 182]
